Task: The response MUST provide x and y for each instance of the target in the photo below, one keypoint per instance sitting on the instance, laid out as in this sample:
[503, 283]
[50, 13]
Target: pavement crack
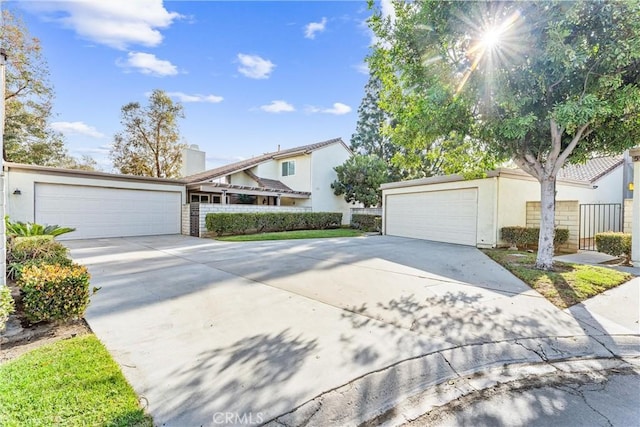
[540, 352]
[577, 391]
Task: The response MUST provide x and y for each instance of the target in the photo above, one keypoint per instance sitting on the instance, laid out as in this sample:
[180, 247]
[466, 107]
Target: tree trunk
[544, 261]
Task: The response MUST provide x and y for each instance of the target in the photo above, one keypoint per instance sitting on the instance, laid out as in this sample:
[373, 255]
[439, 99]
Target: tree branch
[567, 151]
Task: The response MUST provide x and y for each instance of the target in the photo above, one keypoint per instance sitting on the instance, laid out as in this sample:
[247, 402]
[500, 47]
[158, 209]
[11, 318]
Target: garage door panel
[444, 216]
[107, 212]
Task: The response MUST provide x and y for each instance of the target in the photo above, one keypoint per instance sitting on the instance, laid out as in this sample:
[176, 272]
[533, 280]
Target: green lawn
[297, 234]
[73, 382]
[569, 284]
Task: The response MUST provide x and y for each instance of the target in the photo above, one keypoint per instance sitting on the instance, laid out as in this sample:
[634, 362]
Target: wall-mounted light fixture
[17, 192]
[630, 186]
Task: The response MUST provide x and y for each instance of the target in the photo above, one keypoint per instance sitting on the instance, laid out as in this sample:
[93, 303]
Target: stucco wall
[487, 203]
[22, 207]
[241, 178]
[301, 180]
[322, 175]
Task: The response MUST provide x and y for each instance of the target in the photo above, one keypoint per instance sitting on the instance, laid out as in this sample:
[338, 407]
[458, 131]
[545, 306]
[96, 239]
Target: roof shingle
[592, 170]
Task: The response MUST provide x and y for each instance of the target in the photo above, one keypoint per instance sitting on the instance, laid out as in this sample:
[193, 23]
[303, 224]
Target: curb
[408, 389]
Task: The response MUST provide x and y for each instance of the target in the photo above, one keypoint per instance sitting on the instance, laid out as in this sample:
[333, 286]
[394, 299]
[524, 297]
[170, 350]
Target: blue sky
[251, 75]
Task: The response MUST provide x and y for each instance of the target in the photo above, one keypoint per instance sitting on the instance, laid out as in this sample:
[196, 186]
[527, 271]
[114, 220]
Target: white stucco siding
[241, 178]
[267, 170]
[486, 194]
[301, 179]
[21, 207]
[322, 175]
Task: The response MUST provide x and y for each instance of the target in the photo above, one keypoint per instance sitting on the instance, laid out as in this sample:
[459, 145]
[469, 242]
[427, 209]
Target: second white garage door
[107, 212]
[442, 216]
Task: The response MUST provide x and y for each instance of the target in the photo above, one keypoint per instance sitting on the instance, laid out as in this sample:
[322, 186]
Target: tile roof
[249, 163]
[271, 184]
[592, 170]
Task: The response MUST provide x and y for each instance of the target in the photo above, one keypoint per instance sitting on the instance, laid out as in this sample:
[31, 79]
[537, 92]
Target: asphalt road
[607, 398]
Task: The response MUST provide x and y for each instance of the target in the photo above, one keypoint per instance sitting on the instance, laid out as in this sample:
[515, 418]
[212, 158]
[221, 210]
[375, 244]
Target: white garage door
[107, 212]
[443, 216]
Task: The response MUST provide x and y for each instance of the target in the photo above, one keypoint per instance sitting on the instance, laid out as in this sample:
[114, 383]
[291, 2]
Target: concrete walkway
[333, 331]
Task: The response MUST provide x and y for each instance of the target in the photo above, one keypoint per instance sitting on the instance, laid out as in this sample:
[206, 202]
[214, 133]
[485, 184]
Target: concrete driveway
[214, 333]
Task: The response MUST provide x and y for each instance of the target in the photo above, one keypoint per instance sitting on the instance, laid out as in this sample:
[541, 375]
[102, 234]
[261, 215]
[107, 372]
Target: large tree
[28, 98]
[150, 144]
[541, 83]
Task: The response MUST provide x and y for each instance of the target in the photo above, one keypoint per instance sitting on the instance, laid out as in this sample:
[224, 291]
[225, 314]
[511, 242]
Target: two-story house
[299, 176]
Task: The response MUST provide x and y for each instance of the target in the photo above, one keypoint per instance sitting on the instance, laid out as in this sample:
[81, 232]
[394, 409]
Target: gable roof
[254, 161]
[592, 170]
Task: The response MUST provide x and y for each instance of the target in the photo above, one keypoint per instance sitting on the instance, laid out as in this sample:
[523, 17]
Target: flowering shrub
[6, 305]
[54, 292]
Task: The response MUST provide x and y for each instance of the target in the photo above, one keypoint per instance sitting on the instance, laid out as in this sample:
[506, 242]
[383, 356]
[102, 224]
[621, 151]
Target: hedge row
[523, 237]
[247, 223]
[366, 222]
[614, 244]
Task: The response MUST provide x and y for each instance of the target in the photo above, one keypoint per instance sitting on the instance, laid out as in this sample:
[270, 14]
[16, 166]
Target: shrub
[614, 244]
[524, 237]
[54, 292]
[242, 223]
[366, 222]
[35, 250]
[6, 305]
[29, 229]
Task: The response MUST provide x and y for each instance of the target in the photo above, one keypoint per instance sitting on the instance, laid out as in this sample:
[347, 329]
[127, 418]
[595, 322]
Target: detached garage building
[472, 212]
[96, 204]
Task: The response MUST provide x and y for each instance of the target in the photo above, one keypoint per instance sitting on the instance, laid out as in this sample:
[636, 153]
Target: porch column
[223, 199]
[635, 224]
[278, 200]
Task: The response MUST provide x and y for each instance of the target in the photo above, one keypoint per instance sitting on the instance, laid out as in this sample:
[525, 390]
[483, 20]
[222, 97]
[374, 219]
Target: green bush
[243, 223]
[524, 237]
[366, 222]
[34, 250]
[6, 305]
[614, 244]
[54, 292]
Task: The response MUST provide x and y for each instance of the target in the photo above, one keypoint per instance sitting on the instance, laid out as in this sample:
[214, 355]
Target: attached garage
[442, 216]
[96, 204]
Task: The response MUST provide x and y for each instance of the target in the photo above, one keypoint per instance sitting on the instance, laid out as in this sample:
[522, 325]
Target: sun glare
[490, 38]
[489, 41]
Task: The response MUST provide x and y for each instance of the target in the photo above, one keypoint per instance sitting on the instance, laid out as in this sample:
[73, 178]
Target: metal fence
[597, 218]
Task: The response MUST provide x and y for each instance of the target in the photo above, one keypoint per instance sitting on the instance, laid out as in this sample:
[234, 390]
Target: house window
[199, 198]
[289, 168]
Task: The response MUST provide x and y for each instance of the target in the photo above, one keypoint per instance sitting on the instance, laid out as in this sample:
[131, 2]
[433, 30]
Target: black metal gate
[194, 219]
[598, 218]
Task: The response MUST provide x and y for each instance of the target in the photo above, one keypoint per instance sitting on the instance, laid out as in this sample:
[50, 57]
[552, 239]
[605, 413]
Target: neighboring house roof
[272, 184]
[254, 161]
[90, 174]
[592, 170]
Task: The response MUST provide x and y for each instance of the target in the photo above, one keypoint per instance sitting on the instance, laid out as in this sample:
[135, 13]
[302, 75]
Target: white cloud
[312, 28]
[337, 109]
[147, 63]
[387, 9]
[278, 106]
[362, 68]
[76, 128]
[184, 97]
[255, 67]
[115, 23]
